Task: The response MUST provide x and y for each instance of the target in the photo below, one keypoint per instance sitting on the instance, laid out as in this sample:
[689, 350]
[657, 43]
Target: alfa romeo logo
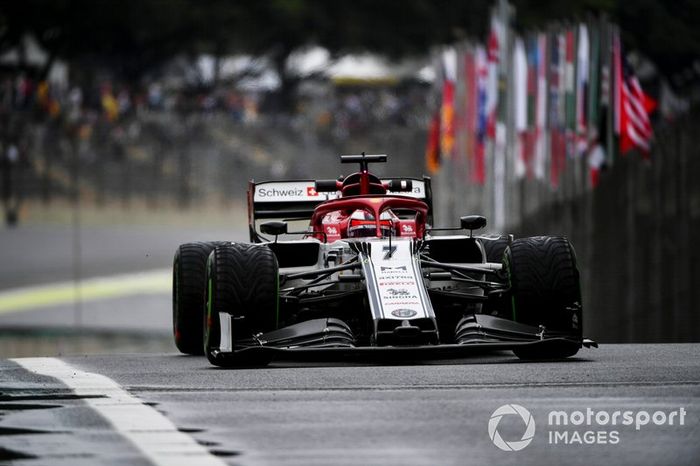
[529, 427]
[403, 313]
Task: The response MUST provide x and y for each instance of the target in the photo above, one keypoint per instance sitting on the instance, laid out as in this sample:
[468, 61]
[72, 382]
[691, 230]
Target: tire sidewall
[211, 325]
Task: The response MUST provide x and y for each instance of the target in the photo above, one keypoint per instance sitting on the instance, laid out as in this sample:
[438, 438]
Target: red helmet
[363, 225]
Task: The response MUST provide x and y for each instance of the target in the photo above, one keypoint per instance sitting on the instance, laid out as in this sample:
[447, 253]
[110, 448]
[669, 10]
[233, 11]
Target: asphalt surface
[35, 255]
[313, 414]
[32, 255]
[413, 414]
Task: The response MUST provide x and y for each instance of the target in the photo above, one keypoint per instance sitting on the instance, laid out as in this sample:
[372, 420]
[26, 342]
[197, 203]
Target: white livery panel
[394, 282]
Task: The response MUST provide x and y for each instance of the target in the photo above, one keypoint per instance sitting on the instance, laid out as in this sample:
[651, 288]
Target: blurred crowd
[127, 137]
[343, 109]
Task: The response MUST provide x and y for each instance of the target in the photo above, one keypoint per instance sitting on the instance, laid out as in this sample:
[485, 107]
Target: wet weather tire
[545, 288]
[189, 267]
[494, 248]
[242, 280]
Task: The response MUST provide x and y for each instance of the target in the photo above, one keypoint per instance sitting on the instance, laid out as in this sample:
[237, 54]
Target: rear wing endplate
[297, 199]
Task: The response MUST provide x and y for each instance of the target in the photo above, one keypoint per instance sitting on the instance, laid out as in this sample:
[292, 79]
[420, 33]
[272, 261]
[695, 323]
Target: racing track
[425, 414]
[415, 414]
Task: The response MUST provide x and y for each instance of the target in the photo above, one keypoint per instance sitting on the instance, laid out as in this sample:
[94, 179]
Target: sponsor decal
[290, 191]
[402, 267]
[407, 228]
[404, 313]
[417, 191]
[399, 292]
[331, 230]
[280, 192]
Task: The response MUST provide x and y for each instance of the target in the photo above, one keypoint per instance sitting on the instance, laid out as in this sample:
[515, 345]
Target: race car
[368, 276]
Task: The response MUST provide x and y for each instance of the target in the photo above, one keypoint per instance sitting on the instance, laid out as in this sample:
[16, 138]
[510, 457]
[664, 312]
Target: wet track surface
[304, 414]
[432, 413]
[32, 255]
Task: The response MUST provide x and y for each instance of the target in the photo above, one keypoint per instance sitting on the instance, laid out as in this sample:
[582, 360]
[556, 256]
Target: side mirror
[274, 228]
[472, 222]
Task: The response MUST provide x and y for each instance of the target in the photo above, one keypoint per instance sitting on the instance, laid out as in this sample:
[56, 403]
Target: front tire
[545, 289]
[189, 267]
[242, 280]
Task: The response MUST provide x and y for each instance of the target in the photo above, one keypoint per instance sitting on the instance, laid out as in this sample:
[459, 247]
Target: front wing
[327, 340]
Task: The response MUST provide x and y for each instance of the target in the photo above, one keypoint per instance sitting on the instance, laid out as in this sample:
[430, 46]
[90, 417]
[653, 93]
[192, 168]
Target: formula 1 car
[370, 277]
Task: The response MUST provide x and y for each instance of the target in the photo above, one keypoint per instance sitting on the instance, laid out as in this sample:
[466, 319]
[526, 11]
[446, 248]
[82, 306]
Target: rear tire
[242, 280]
[545, 289]
[189, 267]
[494, 248]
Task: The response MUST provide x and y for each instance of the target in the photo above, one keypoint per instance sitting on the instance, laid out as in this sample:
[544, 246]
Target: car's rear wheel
[243, 281]
[189, 267]
[494, 248]
[545, 289]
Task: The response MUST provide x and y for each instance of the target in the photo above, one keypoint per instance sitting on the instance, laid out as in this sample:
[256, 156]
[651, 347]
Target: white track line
[90, 289]
[151, 432]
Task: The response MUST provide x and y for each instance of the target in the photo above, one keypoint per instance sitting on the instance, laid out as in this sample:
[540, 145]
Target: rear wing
[297, 199]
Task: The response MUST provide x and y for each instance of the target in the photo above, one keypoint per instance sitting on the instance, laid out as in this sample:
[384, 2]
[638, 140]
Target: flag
[520, 75]
[569, 91]
[531, 132]
[471, 112]
[596, 98]
[557, 108]
[582, 69]
[593, 112]
[596, 161]
[607, 101]
[482, 75]
[447, 109]
[632, 106]
[469, 108]
[493, 54]
[432, 150]
[541, 108]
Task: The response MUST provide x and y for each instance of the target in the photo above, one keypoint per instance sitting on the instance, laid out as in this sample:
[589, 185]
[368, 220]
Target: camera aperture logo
[582, 427]
[512, 409]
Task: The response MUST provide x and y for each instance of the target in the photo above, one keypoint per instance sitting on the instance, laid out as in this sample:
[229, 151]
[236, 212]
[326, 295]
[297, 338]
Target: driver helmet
[363, 225]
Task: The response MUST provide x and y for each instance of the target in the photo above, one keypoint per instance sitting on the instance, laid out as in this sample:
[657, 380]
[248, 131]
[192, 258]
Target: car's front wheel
[545, 289]
[241, 281]
[189, 266]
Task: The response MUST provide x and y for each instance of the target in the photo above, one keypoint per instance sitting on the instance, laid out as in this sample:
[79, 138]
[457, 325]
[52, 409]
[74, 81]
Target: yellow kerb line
[56, 294]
